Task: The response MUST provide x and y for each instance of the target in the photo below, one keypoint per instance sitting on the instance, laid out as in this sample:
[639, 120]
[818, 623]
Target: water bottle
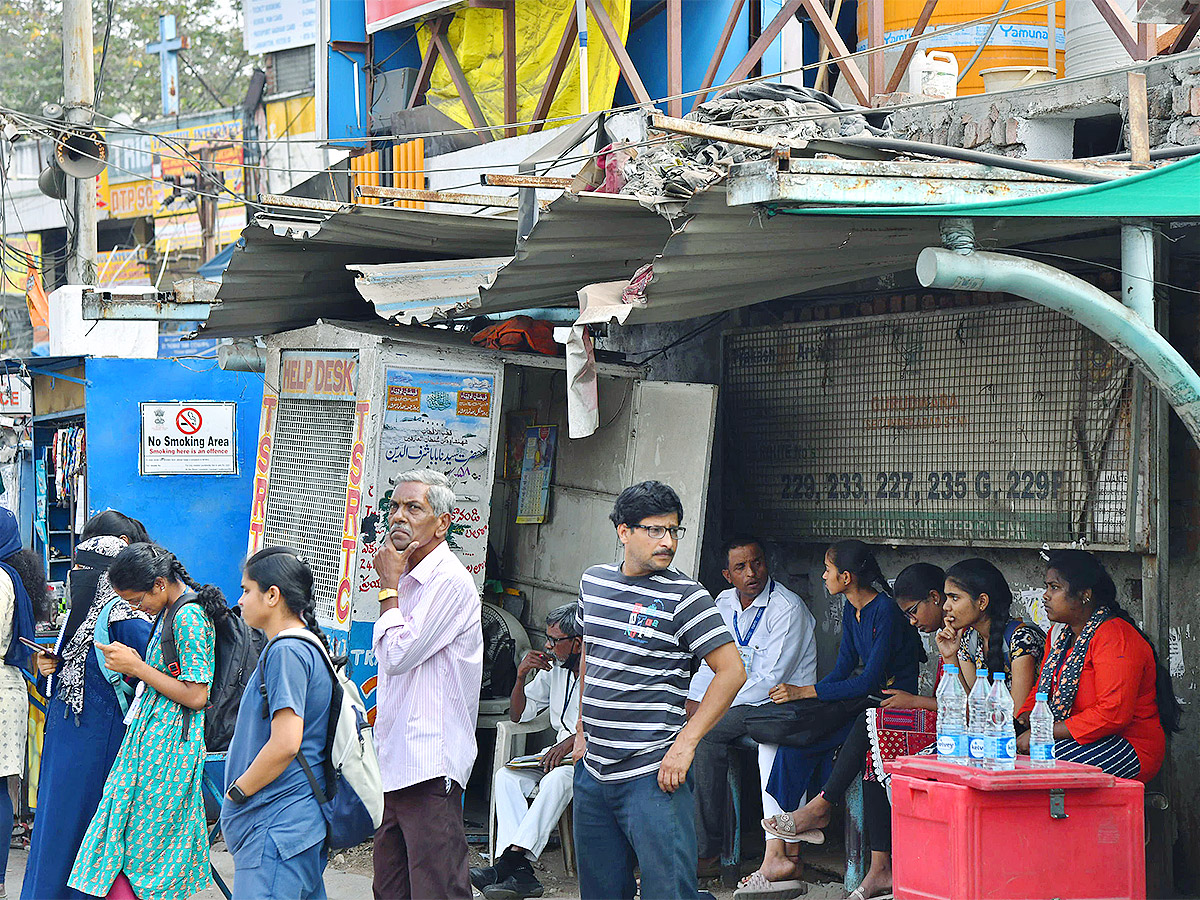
[951, 718]
[1002, 736]
[1041, 733]
[977, 717]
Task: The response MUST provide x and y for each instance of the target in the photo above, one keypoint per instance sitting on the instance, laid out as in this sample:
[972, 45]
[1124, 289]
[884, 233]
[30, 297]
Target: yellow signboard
[14, 271]
[182, 232]
[114, 267]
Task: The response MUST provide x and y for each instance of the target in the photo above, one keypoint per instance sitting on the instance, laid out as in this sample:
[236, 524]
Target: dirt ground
[823, 874]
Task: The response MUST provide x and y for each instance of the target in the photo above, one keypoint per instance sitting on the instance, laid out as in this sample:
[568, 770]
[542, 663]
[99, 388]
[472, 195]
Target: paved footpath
[338, 885]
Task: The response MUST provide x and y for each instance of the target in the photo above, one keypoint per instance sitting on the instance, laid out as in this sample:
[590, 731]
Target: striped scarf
[1073, 650]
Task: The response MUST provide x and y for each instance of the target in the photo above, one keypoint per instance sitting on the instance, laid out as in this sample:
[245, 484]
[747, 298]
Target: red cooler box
[962, 833]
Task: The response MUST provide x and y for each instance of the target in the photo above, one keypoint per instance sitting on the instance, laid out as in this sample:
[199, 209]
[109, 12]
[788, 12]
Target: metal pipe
[1088, 305]
[242, 355]
[1137, 268]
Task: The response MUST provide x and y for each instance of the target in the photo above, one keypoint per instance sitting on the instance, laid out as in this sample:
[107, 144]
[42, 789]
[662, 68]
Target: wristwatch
[387, 594]
[236, 794]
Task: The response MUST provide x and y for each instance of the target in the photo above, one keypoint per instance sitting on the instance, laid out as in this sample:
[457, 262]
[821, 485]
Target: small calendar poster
[537, 468]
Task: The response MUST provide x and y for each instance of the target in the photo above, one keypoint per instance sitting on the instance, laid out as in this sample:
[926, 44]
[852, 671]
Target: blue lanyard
[745, 641]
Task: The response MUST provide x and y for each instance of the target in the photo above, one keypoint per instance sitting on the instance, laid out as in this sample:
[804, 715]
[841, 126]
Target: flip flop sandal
[857, 894]
[757, 887]
[784, 826]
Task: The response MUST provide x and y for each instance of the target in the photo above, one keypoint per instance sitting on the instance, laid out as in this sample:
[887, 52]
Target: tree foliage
[212, 70]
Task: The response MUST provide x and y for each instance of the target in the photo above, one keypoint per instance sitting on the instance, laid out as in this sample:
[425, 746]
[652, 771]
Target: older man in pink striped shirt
[428, 642]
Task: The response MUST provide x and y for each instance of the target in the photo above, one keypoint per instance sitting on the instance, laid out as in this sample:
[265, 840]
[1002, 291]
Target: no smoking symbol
[188, 420]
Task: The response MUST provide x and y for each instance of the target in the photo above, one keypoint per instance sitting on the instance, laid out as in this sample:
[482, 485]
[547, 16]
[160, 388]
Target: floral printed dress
[150, 822]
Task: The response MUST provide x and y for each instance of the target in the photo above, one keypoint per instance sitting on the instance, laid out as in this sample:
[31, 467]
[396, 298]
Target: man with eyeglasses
[642, 623]
[522, 828]
[776, 637]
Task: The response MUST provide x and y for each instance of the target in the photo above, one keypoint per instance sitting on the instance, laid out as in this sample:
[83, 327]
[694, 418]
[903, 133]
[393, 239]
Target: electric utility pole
[78, 99]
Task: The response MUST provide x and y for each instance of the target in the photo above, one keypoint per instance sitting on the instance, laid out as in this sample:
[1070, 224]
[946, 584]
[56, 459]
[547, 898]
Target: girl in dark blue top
[271, 820]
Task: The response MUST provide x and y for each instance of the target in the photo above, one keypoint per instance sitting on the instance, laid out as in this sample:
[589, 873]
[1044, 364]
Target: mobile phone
[37, 648]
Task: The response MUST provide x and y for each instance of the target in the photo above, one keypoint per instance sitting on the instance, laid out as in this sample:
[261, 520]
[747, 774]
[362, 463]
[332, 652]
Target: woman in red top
[1112, 700]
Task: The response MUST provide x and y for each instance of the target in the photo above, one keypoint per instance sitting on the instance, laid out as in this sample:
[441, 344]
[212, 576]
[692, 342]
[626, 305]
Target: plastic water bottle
[977, 717]
[951, 718]
[1002, 737]
[1041, 733]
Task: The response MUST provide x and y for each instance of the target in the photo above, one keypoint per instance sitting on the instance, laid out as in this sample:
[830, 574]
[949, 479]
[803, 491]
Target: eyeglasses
[657, 531]
[911, 611]
[553, 641]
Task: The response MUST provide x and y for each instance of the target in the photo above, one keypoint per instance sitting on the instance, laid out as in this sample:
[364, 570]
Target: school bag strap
[100, 635]
[335, 708]
[170, 652]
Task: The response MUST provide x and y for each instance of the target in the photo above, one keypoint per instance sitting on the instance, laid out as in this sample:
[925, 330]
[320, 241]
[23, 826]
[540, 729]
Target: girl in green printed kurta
[150, 824]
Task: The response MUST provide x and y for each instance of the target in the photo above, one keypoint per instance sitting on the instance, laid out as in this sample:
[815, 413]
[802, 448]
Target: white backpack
[352, 802]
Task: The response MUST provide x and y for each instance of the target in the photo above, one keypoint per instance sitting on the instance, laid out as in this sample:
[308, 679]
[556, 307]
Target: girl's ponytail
[856, 558]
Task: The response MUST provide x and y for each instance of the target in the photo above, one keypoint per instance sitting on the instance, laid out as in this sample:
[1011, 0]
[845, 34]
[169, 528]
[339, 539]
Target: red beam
[911, 47]
[557, 67]
[1120, 25]
[828, 33]
[465, 94]
[510, 66]
[427, 63]
[1187, 33]
[675, 57]
[624, 62]
[767, 38]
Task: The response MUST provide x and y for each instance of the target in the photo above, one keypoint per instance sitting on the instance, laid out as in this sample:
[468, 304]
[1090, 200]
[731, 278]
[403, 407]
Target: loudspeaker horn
[53, 181]
[82, 153]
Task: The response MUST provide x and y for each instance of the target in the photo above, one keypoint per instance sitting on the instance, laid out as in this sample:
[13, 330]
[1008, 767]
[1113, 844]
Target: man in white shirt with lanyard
[522, 829]
[775, 635]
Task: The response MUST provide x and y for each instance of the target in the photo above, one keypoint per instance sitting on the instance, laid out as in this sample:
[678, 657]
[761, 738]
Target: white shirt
[784, 643]
[430, 654]
[550, 689]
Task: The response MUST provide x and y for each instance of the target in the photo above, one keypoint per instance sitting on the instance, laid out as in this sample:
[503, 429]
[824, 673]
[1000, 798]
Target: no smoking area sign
[188, 438]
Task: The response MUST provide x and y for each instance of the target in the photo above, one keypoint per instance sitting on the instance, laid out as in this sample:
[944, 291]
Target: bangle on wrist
[387, 594]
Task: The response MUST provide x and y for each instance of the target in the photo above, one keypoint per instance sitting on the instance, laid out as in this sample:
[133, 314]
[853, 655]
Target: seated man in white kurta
[522, 828]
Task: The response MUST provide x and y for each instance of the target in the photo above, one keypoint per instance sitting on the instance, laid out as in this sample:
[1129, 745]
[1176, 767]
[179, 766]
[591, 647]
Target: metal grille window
[292, 70]
[993, 425]
[306, 502]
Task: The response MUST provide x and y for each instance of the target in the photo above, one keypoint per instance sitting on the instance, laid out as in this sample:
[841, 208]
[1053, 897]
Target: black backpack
[237, 650]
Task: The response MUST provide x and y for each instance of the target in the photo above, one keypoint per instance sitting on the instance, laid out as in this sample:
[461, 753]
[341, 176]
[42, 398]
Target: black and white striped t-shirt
[639, 634]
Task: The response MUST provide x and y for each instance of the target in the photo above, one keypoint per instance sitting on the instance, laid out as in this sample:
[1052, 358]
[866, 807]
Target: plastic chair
[510, 742]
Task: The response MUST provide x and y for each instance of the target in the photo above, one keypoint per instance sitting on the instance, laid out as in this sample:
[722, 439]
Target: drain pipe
[1128, 332]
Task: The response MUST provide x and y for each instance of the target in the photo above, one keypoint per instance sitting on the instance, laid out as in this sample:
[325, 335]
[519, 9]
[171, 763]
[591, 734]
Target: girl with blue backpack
[85, 705]
[271, 819]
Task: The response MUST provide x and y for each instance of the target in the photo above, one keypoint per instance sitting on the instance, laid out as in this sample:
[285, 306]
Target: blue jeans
[618, 823]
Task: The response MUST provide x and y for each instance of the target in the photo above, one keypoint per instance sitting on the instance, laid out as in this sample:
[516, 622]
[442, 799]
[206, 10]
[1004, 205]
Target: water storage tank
[1091, 45]
[1020, 39]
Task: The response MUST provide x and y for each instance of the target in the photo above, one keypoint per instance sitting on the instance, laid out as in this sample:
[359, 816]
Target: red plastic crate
[962, 833]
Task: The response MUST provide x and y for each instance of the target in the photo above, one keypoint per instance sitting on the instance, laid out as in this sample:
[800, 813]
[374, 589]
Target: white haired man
[523, 828]
[428, 641]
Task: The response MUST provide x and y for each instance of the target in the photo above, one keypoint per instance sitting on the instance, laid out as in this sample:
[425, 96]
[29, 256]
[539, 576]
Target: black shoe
[517, 886]
[482, 878]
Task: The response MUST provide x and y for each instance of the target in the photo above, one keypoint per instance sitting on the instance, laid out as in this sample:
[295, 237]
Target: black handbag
[803, 723]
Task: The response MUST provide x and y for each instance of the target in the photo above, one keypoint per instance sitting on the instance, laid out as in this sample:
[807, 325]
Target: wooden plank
[675, 57]
[911, 47]
[465, 94]
[510, 67]
[395, 193]
[427, 63]
[648, 16]
[1120, 25]
[875, 43]
[790, 8]
[1187, 32]
[1139, 120]
[828, 33]
[557, 67]
[624, 62]
[710, 75]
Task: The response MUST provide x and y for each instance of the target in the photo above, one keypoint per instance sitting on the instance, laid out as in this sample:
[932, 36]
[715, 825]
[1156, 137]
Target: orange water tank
[1018, 40]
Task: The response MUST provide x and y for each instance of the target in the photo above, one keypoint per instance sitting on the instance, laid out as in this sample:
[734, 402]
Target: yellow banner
[12, 279]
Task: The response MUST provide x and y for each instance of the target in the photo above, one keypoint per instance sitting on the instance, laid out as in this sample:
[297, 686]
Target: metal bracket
[1058, 803]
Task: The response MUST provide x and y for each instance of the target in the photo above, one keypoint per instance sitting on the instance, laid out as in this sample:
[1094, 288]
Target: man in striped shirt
[642, 622]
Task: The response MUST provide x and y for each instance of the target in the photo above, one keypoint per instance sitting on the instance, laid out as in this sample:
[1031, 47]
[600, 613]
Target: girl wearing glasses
[148, 837]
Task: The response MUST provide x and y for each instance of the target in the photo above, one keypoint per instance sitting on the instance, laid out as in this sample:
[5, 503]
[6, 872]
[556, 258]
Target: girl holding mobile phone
[22, 584]
[84, 709]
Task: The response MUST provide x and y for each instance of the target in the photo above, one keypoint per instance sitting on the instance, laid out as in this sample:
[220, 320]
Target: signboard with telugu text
[188, 438]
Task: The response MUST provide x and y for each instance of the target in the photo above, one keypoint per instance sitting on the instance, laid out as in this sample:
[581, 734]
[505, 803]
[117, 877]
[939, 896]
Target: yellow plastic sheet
[477, 36]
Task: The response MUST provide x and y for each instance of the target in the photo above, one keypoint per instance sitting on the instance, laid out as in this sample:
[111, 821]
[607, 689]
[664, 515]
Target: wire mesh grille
[1005, 424]
[306, 502]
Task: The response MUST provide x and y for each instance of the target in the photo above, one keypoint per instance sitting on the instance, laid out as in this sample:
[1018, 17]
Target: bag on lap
[803, 723]
[352, 801]
[237, 648]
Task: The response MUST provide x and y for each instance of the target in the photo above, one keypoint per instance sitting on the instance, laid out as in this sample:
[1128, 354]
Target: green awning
[1168, 192]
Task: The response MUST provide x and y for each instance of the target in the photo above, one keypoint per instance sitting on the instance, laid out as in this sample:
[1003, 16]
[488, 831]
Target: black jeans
[710, 767]
[849, 762]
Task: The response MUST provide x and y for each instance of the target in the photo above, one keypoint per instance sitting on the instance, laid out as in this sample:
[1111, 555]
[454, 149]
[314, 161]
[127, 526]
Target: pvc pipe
[1055, 289]
[242, 355]
[1137, 268]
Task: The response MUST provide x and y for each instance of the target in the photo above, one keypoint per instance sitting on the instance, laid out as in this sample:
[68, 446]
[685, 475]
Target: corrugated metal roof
[291, 267]
[419, 291]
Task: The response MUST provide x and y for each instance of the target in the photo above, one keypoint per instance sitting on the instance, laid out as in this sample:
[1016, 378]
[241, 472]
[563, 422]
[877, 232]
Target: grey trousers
[710, 767]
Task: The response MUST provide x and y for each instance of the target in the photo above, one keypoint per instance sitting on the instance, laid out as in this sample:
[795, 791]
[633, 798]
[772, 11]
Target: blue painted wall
[203, 519]
[347, 22]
